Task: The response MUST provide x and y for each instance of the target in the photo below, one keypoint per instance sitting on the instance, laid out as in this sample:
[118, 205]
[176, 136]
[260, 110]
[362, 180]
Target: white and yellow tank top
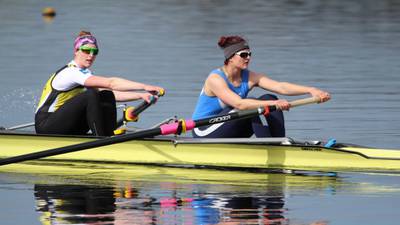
[63, 85]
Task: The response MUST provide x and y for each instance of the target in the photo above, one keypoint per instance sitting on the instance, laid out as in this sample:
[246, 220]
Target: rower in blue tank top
[226, 89]
[211, 105]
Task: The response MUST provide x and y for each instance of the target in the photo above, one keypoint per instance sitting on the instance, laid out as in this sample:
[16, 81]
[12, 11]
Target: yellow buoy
[49, 11]
[48, 14]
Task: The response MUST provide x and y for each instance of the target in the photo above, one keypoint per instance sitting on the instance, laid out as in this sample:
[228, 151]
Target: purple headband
[232, 49]
[83, 40]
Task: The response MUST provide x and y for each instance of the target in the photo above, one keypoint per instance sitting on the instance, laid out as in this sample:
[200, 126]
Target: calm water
[349, 48]
[155, 195]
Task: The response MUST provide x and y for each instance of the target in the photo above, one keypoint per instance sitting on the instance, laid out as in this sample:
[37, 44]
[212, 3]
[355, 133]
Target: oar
[132, 113]
[165, 129]
[21, 126]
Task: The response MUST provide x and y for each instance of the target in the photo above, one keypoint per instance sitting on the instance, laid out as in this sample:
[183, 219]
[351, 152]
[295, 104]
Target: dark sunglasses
[243, 54]
[89, 50]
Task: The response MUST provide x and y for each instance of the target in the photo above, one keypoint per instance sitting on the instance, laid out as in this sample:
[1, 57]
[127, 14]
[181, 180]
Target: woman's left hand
[322, 95]
[155, 90]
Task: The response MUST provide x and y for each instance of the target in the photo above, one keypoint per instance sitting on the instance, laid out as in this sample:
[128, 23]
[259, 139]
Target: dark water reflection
[72, 204]
[82, 204]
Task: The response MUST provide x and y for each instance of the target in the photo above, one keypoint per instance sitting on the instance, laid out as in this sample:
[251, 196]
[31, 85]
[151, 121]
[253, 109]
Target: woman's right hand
[148, 97]
[282, 104]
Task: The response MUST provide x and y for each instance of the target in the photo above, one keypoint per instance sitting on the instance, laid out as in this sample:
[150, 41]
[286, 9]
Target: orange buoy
[49, 12]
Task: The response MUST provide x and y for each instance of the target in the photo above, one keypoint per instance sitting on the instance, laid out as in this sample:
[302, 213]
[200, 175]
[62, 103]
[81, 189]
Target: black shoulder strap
[53, 94]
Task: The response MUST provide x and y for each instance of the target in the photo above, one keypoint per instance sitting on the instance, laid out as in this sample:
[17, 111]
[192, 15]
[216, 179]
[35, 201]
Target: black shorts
[91, 110]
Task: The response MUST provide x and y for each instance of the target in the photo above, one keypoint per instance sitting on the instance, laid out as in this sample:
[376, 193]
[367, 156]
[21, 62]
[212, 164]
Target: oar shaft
[81, 146]
[133, 115]
[191, 124]
[162, 130]
[231, 116]
[142, 106]
[21, 126]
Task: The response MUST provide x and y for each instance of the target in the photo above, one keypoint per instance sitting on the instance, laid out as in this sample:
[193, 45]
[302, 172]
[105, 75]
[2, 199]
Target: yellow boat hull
[168, 151]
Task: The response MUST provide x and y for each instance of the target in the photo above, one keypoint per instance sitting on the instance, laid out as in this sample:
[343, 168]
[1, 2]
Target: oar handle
[160, 93]
[304, 101]
[295, 103]
[132, 113]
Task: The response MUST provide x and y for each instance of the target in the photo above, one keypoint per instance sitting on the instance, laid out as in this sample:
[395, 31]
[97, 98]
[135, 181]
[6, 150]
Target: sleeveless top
[211, 105]
[52, 98]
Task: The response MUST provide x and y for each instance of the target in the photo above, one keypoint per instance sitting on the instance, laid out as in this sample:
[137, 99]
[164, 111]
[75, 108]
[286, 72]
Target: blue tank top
[211, 105]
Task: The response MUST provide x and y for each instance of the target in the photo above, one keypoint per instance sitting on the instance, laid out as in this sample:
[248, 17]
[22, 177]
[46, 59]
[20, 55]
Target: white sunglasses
[243, 54]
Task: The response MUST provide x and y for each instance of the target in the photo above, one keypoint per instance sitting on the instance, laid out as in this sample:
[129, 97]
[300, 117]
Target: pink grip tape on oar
[173, 127]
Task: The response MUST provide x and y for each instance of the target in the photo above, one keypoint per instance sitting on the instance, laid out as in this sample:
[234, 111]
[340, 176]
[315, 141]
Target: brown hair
[84, 32]
[225, 41]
